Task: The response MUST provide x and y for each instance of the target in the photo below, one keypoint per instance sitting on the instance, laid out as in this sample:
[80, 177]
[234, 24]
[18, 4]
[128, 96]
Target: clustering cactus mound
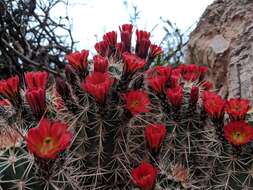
[124, 120]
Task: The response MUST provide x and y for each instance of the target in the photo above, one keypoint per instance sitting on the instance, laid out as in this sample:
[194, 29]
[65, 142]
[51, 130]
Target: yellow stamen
[47, 145]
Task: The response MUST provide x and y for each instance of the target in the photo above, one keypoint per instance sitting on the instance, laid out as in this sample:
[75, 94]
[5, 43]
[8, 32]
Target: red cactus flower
[154, 51]
[9, 88]
[194, 95]
[100, 64]
[126, 28]
[207, 85]
[202, 71]
[119, 49]
[144, 176]
[110, 38]
[213, 104]
[142, 35]
[238, 132]
[36, 98]
[78, 60]
[97, 84]
[48, 139]
[36, 79]
[143, 49]
[154, 135]
[237, 108]
[126, 36]
[191, 72]
[157, 78]
[137, 102]
[175, 78]
[177, 71]
[162, 70]
[175, 96]
[132, 63]
[142, 43]
[103, 48]
[158, 83]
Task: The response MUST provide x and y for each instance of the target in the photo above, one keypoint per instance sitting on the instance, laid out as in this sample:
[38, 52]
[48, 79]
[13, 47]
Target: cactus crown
[122, 121]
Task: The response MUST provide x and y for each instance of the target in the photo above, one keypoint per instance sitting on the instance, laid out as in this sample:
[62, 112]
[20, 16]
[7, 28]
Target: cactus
[122, 121]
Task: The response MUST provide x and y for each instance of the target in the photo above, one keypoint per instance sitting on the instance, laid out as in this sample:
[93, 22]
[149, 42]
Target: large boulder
[223, 40]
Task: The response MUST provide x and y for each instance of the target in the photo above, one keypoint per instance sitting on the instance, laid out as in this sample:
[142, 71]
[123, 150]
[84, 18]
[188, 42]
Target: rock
[219, 44]
[223, 40]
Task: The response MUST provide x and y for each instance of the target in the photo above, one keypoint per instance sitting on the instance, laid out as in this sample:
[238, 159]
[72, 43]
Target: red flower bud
[100, 64]
[142, 43]
[110, 38]
[157, 78]
[142, 35]
[144, 176]
[36, 79]
[36, 98]
[154, 51]
[214, 105]
[78, 60]
[206, 85]
[48, 139]
[103, 48]
[132, 63]
[126, 28]
[154, 135]
[126, 36]
[175, 96]
[143, 49]
[9, 89]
